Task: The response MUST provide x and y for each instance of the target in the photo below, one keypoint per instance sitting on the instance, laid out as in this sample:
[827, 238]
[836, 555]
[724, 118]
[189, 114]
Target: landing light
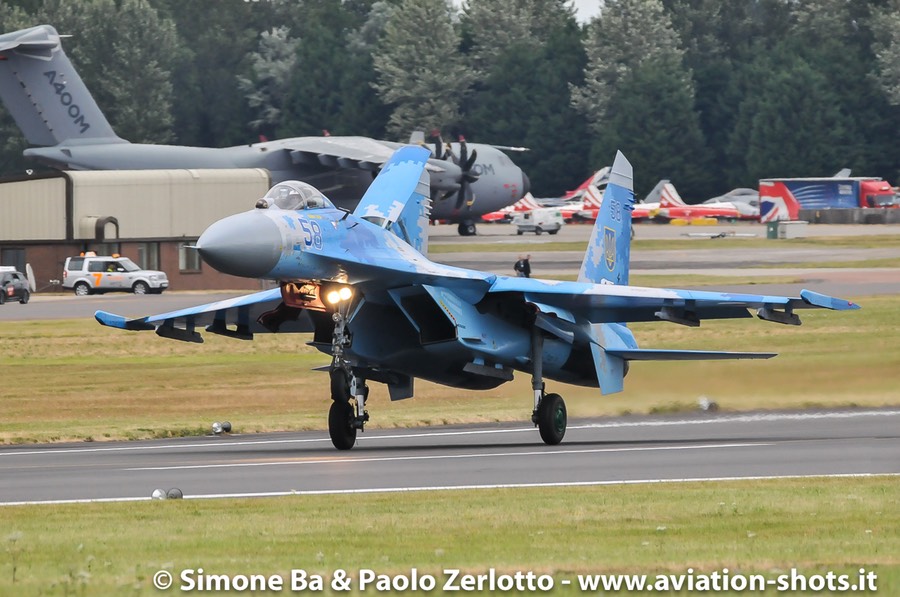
[338, 295]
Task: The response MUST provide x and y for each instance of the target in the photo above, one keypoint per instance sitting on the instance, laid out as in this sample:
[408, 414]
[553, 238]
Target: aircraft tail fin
[655, 194]
[669, 196]
[43, 92]
[399, 197]
[526, 203]
[593, 198]
[598, 179]
[608, 251]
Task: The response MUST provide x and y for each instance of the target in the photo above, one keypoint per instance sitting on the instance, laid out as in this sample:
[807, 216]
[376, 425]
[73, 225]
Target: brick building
[150, 216]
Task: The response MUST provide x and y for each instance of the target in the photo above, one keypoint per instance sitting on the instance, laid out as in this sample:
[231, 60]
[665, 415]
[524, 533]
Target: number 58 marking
[312, 233]
[615, 209]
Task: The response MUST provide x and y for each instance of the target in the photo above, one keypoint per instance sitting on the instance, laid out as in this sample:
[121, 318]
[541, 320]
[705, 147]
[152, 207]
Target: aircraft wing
[343, 152]
[235, 317]
[609, 303]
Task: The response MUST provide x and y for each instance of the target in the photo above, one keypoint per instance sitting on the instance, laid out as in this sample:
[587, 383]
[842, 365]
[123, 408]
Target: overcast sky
[586, 9]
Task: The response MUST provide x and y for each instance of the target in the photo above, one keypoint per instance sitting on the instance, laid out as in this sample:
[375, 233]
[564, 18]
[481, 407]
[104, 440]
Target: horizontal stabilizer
[649, 354]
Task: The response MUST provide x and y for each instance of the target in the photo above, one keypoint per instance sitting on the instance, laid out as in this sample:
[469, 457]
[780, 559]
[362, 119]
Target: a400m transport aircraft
[54, 110]
[386, 313]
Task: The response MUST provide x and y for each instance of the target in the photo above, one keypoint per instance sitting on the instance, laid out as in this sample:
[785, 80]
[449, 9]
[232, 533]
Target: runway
[594, 452]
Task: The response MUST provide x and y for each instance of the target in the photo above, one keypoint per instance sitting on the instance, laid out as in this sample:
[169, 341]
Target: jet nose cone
[247, 245]
[526, 184]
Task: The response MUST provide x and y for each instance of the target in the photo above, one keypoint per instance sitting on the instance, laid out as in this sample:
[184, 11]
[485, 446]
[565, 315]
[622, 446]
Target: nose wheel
[340, 427]
[347, 414]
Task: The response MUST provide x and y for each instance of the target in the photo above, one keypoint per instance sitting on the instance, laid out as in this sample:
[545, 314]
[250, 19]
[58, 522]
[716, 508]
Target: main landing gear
[347, 414]
[467, 228]
[549, 414]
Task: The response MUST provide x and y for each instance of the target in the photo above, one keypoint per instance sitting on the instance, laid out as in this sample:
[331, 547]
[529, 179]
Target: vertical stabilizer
[593, 199]
[597, 179]
[44, 94]
[608, 251]
[398, 198]
[412, 225]
[670, 197]
[655, 195]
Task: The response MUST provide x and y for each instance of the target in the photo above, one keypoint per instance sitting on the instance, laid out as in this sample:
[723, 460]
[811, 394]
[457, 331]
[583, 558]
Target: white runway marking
[460, 487]
[362, 459]
[749, 418]
[226, 443]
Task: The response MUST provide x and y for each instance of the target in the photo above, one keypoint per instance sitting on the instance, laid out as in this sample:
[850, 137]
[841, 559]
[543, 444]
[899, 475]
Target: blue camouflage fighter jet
[360, 282]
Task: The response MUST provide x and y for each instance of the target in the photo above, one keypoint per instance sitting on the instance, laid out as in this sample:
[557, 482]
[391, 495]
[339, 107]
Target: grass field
[766, 527]
[74, 380]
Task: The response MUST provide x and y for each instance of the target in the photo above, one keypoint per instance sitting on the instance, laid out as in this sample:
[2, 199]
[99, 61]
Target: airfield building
[151, 216]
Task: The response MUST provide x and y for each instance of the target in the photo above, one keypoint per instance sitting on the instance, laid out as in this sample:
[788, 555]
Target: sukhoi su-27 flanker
[385, 313]
[66, 129]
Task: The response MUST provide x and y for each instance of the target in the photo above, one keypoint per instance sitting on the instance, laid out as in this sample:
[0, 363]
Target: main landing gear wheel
[341, 415]
[467, 229]
[552, 418]
[549, 413]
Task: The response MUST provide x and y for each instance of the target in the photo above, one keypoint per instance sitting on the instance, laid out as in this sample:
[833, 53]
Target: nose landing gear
[349, 392]
[348, 412]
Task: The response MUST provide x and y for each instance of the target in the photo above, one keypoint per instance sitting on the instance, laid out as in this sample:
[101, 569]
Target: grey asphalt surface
[601, 451]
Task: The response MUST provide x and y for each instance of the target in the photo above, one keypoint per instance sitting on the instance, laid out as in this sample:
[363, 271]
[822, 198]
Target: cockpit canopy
[293, 194]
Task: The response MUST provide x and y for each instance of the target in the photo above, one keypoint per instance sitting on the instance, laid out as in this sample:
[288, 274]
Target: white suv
[89, 274]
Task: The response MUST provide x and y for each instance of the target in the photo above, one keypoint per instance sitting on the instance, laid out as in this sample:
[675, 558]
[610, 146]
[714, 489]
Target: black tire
[2, 295]
[25, 297]
[340, 386]
[82, 289]
[340, 428]
[552, 232]
[471, 230]
[520, 232]
[140, 287]
[552, 419]
[538, 230]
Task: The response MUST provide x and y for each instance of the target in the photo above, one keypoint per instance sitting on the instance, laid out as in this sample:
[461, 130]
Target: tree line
[712, 95]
